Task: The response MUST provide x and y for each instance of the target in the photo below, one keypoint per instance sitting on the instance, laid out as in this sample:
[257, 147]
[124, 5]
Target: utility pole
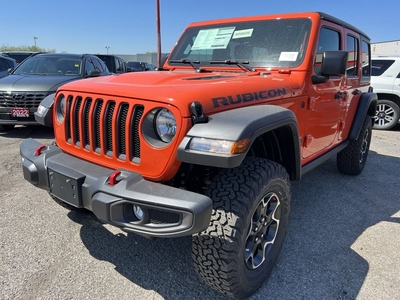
[34, 40]
[158, 33]
[107, 47]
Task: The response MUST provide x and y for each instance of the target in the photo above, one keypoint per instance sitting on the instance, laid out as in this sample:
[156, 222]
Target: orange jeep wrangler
[208, 144]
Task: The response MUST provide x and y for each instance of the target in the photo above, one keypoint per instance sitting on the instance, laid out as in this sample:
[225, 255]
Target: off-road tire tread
[214, 253]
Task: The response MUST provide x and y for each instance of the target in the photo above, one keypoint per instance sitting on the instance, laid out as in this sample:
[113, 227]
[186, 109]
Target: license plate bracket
[66, 188]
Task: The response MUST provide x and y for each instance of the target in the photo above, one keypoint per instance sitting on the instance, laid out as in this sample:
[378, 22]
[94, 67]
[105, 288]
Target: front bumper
[168, 211]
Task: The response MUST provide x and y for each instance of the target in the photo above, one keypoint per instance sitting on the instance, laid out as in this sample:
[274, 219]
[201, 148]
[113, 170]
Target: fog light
[138, 212]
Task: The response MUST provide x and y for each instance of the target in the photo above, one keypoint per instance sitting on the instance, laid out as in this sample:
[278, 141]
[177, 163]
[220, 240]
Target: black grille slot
[85, 132]
[77, 129]
[121, 124]
[135, 142]
[163, 217]
[97, 124]
[108, 128]
[67, 120]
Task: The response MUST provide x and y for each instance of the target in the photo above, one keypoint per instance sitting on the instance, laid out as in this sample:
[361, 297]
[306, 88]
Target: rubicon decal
[248, 97]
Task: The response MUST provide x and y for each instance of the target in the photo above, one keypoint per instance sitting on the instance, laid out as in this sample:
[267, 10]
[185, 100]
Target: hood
[33, 83]
[216, 91]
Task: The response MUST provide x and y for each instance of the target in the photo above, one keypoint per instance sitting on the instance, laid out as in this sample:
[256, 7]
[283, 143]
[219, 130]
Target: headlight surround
[60, 109]
[165, 125]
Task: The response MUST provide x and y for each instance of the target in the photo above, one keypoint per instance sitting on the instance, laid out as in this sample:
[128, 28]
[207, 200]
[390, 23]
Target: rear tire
[351, 160]
[387, 115]
[238, 250]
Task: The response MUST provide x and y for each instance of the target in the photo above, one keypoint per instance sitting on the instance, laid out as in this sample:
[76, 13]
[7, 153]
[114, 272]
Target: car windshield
[135, 65]
[50, 65]
[266, 43]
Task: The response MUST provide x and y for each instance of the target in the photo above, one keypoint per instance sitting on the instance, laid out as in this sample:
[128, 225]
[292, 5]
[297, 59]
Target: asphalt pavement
[343, 240]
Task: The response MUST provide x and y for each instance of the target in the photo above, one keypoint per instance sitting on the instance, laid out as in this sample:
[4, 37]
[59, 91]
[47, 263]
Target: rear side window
[352, 62]
[366, 60]
[379, 66]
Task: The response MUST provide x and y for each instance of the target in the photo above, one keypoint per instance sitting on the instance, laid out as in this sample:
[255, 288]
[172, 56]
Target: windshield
[267, 43]
[50, 65]
[135, 65]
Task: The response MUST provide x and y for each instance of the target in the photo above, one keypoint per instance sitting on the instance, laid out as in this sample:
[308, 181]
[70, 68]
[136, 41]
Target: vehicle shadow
[329, 212]
[33, 131]
[162, 265]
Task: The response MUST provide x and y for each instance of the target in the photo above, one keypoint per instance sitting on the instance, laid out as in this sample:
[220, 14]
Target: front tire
[351, 160]
[238, 250]
[387, 115]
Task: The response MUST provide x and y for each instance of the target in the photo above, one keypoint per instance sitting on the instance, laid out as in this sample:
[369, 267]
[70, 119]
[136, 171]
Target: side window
[89, 66]
[3, 66]
[93, 64]
[366, 61]
[352, 62]
[117, 65]
[329, 40]
[379, 66]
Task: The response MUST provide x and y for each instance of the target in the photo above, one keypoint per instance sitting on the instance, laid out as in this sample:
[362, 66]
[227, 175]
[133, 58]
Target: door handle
[356, 92]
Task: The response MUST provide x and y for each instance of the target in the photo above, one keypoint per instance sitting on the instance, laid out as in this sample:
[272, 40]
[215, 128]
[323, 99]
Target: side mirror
[94, 73]
[334, 63]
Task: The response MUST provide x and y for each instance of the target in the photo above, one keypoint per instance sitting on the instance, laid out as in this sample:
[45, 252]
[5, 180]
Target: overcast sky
[129, 26]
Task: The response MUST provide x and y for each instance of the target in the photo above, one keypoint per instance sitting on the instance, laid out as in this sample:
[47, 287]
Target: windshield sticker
[213, 38]
[288, 56]
[242, 33]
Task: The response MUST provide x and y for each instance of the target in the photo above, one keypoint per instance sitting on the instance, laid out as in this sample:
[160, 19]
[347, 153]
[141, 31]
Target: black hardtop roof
[335, 20]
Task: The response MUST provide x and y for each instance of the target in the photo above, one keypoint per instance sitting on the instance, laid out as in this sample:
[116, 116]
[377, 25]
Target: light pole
[34, 39]
[107, 47]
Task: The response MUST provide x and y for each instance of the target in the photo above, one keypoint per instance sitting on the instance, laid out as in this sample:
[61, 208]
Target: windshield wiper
[190, 62]
[240, 64]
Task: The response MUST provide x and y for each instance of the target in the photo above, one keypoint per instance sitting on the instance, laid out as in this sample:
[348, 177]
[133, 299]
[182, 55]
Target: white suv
[386, 83]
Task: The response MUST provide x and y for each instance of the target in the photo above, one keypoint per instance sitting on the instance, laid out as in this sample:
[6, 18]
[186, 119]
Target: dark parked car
[138, 66]
[19, 56]
[38, 77]
[114, 63]
[6, 63]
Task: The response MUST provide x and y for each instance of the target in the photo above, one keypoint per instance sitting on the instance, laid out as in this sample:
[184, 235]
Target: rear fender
[366, 106]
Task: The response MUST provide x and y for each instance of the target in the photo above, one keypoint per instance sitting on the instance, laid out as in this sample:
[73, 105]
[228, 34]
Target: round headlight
[60, 109]
[165, 124]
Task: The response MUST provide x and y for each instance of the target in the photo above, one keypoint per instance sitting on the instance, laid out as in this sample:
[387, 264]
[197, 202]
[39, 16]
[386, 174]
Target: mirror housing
[334, 63]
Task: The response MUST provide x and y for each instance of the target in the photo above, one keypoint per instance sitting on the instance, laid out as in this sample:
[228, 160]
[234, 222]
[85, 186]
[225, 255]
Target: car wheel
[238, 250]
[7, 127]
[351, 160]
[386, 115]
[68, 206]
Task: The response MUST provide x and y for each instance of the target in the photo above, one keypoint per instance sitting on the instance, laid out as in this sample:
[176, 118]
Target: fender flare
[366, 106]
[235, 125]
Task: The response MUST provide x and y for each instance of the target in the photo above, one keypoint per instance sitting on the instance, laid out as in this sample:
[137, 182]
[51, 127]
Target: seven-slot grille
[21, 99]
[91, 124]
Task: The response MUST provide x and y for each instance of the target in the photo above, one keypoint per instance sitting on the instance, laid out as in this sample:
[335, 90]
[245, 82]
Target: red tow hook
[113, 178]
[39, 149]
